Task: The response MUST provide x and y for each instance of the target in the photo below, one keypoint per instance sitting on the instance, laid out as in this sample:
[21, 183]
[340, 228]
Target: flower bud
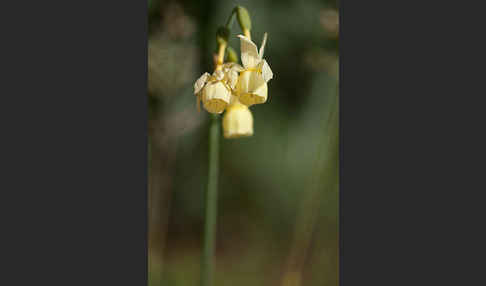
[243, 17]
[215, 97]
[237, 121]
[251, 88]
[222, 35]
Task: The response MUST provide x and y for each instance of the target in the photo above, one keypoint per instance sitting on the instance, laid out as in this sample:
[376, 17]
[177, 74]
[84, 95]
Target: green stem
[207, 269]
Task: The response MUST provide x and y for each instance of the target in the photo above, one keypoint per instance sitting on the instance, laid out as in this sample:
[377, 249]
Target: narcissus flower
[237, 121]
[215, 90]
[235, 88]
[251, 87]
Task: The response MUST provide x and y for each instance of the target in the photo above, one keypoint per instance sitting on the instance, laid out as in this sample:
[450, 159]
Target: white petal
[199, 84]
[232, 78]
[266, 71]
[249, 52]
[231, 73]
[218, 75]
[262, 47]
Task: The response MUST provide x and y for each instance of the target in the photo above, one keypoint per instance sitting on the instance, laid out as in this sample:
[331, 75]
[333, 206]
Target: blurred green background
[278, 190]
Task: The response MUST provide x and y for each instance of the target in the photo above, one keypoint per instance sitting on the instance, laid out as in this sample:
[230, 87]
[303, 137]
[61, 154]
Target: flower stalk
[211, 199]
[207, 266]
[232, 89]
[247, 33]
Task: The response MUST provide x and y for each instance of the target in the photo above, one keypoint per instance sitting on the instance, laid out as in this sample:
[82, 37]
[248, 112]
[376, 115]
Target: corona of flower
[215, 90]
[237, 121]
[251, 87]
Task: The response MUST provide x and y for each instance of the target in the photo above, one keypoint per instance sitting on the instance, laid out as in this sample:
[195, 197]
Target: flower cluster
[234, 88]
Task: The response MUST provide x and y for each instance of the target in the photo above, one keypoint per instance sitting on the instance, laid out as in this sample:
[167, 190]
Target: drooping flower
[215, 90]
[237, 121]
[251, 87]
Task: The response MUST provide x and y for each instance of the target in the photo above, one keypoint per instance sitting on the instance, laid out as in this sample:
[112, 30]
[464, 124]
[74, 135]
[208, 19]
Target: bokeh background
[278, 190]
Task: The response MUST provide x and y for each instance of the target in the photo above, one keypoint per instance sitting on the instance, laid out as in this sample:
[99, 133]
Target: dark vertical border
[409, 195]
[74, 153]
[341, 154]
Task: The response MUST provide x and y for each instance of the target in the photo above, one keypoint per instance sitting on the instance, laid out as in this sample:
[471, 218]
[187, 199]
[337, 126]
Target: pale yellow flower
[213, 92]
[251, 87]
[237, 121]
